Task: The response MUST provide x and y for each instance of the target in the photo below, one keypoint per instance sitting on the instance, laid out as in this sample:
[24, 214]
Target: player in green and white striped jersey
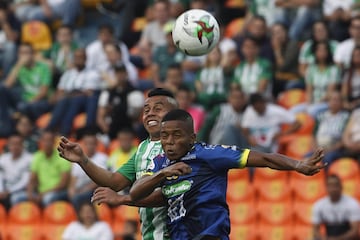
[153, 220]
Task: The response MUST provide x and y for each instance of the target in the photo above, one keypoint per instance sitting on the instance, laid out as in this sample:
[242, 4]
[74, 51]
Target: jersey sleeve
[154, 166]
[316, 214]
[128, 169]
[224, 157]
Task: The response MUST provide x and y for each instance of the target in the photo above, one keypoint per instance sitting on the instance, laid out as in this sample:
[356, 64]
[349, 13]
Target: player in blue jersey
[193, 178]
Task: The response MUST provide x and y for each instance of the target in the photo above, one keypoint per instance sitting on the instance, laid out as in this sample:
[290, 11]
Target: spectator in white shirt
[87, 226]
[95, 51]
[339, 213]
[262, 122]
[338, 14]
[14, 172]
[78, 91]
[81, 187]
[344, 50]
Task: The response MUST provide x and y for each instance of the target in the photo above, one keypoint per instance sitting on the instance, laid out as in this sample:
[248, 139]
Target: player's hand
[71, 151]
[177, 169]
[313, 164]
[108, 196]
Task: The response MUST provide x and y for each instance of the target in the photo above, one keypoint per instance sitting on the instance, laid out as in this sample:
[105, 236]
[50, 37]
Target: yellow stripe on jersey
[244, 158]
[148, 174]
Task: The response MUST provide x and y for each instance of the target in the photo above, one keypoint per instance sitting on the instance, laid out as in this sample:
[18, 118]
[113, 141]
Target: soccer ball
[196, 32]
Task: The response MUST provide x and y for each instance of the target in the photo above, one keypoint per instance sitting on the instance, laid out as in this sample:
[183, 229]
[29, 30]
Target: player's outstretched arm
[308, 166]
[72, 152]
[147, 184]
[110, 197]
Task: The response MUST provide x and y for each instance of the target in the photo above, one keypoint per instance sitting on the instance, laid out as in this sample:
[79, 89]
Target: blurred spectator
[9, 36]
[78, 91]
[321, 77]
[114, 110]
[153, 34]
[256, 29]
[224, 121]
[174, 78]
[95, 51]
[130, 230]
[81, 187]
[266, 9]
[351, 82]
[340, 214]
[26, 128]
[319, 33]
[14, 172]
[185, 98]
[286, 54]
[126, 149]
[229, 56]
[351, 136]
[330, 127]
[298, 15]
[344, 50]
[27, 86]
[114, 56]
[49, 10]
[87, 226]
[253, 74]
[338, 14]
[262, 123]
[165, 56]
[210, 83]
[61, 54]
[50, 174]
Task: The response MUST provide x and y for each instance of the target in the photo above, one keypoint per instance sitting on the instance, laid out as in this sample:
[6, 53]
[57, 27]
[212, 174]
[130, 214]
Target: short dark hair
[256, 98]
[160, 92]
[178, 115]
[66, 26]
[184, 88]
[107, 27]
[15, 134]
[120, 67]
[333, 176]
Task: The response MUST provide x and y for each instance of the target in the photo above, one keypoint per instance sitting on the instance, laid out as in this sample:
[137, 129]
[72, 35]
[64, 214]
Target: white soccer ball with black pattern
[196, 32]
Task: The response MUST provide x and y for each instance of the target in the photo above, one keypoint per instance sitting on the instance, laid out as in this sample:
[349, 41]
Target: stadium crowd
[285, 78]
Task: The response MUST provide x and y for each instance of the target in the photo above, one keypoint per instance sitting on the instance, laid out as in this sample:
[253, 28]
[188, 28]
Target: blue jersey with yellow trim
[197, 202]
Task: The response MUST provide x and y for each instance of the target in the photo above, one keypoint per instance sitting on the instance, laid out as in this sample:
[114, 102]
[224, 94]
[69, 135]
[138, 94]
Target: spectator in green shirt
[50, 175]
[26, 87]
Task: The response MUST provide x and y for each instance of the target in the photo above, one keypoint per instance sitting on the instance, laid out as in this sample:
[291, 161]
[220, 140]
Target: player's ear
[193, 138]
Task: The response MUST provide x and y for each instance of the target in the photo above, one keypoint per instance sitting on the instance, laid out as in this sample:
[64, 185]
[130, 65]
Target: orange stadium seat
[79, 121]
[236, 174]
[291, 98]
[138, 24]
[240, 190]
[275, 213]
[303, 213]
[92, 3]
[235, 3]
[23, 232]
[351, 187]
[308, 190]
[36, 33]
[298, 176]
[59, 212]
[104, 212]
[307, 123]
[270, 232]
[272, 190]
[53, 231]
[234, 27]
[3, 142]
[3, 219]
[242, 212]
[345, 168]
[43, 120]
[24, 213]
[270, 174]
[243, 231]
[23, 222]
[298, 147]
[126, 212]
[301, 232]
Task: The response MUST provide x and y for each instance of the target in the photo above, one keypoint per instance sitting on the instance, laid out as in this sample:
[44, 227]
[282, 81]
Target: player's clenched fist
[177, 169]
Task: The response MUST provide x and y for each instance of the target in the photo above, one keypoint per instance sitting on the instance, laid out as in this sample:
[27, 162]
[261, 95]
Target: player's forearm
[145, 186]
[155, 199]
[272, 160]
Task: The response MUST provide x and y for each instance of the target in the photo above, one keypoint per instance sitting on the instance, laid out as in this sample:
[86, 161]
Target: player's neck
[155, 137]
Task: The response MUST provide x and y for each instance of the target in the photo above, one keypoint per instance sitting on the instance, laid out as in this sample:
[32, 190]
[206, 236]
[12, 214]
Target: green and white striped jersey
[153, 220]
